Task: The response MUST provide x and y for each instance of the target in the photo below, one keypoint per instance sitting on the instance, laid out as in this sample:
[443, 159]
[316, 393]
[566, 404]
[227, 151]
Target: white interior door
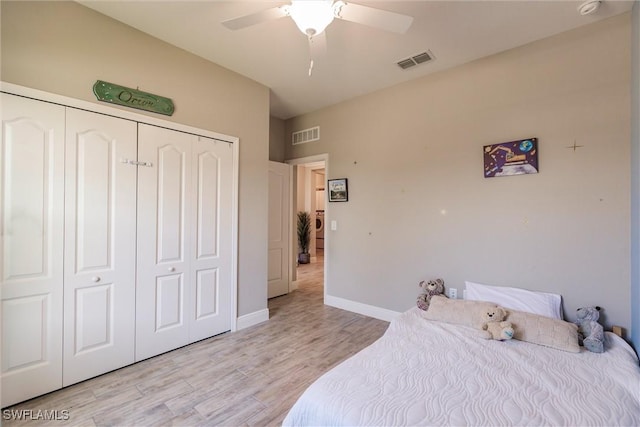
[32, 224]
[279, 229]
[211, 262]
[163, 279]
[99, 276]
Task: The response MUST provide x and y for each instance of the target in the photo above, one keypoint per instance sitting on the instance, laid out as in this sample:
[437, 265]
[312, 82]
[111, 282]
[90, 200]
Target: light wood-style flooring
[248, 378]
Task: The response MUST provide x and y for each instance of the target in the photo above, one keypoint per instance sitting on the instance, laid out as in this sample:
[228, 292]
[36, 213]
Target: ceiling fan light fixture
[312, 16]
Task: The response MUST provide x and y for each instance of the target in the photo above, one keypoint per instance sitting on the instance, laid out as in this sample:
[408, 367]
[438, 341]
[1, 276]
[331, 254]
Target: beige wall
[63, 48]
[276, 140]
[419, 206]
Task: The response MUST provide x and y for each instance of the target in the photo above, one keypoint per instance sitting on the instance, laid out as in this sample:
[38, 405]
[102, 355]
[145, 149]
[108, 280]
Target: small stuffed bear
[429, 289]
[590, 332]
[494, 326]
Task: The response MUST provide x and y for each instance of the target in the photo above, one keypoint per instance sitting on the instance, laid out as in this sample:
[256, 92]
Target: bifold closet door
[164, 277]
[184, 239]
[100, 217]
[212, 238]
[31, 247]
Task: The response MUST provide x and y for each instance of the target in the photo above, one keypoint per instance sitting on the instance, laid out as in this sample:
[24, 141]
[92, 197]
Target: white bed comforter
[431, 373]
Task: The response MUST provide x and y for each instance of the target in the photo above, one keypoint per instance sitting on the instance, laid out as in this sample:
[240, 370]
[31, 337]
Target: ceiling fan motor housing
[312, 16]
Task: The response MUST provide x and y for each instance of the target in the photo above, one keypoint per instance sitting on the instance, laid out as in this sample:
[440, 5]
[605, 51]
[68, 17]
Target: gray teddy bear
[590, 332]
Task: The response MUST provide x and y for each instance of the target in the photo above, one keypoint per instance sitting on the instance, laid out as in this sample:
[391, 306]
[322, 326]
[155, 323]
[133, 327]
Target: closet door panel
[212, 178]
[31, 246]
[164, 190]
[172, 186]
[100, 243]
[170, 305]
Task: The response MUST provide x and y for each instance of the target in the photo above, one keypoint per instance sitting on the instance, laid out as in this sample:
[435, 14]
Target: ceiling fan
[313, 16]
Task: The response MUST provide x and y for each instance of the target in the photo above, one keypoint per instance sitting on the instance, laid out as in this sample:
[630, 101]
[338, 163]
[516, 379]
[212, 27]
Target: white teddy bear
[494, 326]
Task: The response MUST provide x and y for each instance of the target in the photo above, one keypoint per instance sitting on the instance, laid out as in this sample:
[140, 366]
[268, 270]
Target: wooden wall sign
[134, 98]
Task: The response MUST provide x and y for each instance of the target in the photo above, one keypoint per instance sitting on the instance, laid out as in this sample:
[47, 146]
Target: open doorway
[309, 195]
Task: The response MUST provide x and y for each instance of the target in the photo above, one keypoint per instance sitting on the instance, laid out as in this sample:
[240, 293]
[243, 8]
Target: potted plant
[304, 237]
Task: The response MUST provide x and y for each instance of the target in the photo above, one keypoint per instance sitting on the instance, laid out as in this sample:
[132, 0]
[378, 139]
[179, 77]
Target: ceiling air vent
[415, 60]
[304, 136]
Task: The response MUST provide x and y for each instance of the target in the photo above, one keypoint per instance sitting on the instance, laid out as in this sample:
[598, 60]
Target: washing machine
[319, 229]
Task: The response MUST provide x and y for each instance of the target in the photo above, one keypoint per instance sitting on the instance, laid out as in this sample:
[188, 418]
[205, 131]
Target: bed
[429, 372]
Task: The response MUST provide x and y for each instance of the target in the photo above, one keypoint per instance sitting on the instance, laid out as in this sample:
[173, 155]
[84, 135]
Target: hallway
[312, 274]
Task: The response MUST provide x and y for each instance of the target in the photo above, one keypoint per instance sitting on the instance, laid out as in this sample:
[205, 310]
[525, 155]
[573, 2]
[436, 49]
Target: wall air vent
[420, 58]
[306, 135]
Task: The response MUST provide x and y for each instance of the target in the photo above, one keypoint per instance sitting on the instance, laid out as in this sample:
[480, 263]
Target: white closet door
[164, 277]
[99, 276]
[31, 234]
[212, 177]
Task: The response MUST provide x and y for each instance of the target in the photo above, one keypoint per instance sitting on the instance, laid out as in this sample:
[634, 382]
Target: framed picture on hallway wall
[338, 190]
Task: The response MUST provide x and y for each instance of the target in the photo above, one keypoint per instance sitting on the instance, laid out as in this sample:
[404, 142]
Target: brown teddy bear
[494, 326]
[429, 289]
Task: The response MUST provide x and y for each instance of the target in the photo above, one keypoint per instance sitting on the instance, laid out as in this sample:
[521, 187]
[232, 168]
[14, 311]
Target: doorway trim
[301, 161]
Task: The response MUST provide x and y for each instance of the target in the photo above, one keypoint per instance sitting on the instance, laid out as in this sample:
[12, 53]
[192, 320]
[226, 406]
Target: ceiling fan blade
[378, 18]
[255, 18]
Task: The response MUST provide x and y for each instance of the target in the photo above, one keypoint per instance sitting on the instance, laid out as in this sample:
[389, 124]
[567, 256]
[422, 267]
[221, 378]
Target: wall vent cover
[420, 58]
[306, 135]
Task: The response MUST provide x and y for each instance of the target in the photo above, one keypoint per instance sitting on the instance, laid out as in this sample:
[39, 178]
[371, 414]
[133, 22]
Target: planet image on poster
[526, 145]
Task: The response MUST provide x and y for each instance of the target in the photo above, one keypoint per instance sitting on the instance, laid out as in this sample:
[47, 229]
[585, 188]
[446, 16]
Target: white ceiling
[358, 59]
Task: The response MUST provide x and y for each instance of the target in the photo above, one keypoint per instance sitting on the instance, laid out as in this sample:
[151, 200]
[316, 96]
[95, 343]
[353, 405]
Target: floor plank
[248, 378]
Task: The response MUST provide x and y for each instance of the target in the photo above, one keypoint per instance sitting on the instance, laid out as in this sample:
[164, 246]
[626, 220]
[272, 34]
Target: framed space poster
[511, 158]
[338, 190]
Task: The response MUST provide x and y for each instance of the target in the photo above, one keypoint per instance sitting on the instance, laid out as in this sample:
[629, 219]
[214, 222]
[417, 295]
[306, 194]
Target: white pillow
[541, 303]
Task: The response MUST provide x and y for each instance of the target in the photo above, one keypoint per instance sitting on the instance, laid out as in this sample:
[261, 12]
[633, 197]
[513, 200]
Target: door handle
[95, 279]
[171, 269]
[136, 163]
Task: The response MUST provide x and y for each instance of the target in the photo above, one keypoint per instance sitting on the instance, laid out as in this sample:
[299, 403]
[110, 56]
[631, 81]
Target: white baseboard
[252, 319]
[360, 308]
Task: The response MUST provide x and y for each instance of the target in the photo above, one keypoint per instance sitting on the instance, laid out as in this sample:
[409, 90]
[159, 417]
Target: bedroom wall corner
[276, 140]
[635, 177]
